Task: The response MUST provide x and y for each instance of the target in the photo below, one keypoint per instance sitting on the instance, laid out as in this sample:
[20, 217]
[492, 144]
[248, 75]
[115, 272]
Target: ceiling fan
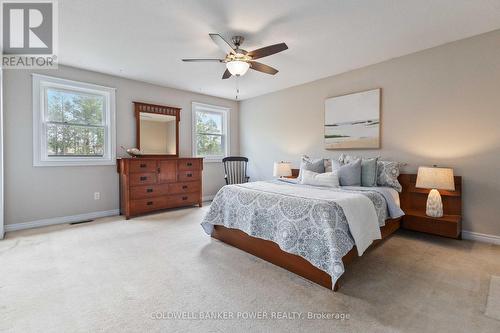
[238, 61]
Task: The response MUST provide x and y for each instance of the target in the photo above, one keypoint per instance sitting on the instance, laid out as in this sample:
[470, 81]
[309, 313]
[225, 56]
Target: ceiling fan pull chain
[237, 86]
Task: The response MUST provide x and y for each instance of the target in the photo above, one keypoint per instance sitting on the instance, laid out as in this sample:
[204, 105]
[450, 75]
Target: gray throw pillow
[368, 168]
[387, 175]
[314, 165]
[369, 172]
[349, 174]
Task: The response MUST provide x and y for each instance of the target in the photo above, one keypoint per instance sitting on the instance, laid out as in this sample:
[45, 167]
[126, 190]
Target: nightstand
[413, 202]
[447, 226]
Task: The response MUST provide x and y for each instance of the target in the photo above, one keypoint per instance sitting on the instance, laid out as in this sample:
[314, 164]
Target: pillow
[369, 172]
[349, 174]
[387, 174]
[328, 164]
[368, 168]
[329, 179]
[306, 163]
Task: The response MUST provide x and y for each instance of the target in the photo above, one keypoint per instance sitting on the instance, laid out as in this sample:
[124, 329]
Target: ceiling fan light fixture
[237, 67]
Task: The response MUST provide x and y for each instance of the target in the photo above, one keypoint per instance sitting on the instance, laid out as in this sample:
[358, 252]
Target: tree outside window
[75, 124]
[210, 131]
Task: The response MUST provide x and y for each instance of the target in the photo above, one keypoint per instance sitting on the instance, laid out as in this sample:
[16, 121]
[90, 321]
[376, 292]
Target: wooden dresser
[152, 184]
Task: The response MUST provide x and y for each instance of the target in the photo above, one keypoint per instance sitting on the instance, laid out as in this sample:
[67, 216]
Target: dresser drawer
[143, 166]
[187, 175]
[189, 164]
[186, 187]
[144, 205]
[148, 191]
[142, 178]
[183, 199]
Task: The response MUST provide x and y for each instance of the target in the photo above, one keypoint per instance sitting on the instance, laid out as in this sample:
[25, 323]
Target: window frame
[226, 137]
[40, 122]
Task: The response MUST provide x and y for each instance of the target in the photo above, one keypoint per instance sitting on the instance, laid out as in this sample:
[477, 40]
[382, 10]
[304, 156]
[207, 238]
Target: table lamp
[282, 169]
[435, 178]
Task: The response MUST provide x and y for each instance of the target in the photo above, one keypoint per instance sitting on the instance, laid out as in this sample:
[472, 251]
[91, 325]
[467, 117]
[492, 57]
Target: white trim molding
[208, 197]
[61, 220]
[40, 86]
[476, 236]
[226, 134]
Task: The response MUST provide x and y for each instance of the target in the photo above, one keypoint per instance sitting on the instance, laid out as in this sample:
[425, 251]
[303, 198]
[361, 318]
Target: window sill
[212, 160]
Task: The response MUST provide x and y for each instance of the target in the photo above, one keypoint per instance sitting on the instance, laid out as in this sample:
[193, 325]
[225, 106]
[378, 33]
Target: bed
[309, 230]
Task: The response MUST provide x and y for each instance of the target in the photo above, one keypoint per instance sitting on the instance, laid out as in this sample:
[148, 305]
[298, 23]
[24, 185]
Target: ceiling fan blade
[227, 74]
[222, 43]
[267, 51]
[204, 60]
[262, 68]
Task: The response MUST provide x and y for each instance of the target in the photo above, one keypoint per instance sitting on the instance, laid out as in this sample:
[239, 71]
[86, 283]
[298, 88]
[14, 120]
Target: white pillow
[330, 179]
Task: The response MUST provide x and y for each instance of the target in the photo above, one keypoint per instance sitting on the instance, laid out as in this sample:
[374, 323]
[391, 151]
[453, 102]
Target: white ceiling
[146, 40]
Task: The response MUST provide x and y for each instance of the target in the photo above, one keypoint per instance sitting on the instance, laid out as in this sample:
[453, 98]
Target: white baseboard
[208, 197]
[60, 220]
[476, 236]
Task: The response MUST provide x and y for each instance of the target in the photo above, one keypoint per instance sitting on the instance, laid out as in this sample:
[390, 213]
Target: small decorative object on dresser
[282, 169]
[133, 152]
[413, 202]
[435, 179]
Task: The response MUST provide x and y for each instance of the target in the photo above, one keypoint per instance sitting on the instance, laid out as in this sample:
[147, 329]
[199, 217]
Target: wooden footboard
[272, 253]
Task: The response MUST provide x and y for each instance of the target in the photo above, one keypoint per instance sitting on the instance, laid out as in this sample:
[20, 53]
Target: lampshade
[282, 169]
[435, 178]
[237, 67]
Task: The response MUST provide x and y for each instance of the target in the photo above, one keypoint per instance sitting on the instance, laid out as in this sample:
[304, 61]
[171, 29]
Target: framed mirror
[157, 129]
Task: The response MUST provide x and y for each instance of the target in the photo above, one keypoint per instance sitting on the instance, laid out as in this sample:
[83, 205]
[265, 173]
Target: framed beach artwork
[353, 121]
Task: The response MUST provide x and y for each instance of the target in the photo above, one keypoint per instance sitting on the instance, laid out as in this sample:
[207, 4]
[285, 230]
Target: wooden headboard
[413, 198]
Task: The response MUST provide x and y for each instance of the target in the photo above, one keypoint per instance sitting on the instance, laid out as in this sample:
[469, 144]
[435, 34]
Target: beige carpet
[115, 275]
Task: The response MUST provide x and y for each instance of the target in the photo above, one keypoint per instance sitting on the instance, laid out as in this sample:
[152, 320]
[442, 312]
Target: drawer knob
[143, 165]
[189, 175]
[149, 190]
[189, 164]
[144, 178]
[184, 187]
[184, 198]
[149, 203]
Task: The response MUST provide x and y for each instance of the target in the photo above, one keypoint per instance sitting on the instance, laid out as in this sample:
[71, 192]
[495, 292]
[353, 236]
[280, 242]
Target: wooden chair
[235, 168]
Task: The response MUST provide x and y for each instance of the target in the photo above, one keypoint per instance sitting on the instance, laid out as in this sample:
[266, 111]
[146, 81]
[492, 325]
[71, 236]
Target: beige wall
[439, 106]
[46, 192]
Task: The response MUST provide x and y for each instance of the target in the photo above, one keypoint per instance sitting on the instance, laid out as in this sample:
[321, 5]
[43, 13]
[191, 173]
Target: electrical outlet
[97, 195]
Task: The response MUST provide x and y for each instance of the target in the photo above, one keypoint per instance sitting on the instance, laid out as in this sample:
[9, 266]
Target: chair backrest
[235, 168]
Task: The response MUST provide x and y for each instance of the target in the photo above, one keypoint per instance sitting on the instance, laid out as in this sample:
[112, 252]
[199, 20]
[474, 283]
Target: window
[210, 131]
[73, 123]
